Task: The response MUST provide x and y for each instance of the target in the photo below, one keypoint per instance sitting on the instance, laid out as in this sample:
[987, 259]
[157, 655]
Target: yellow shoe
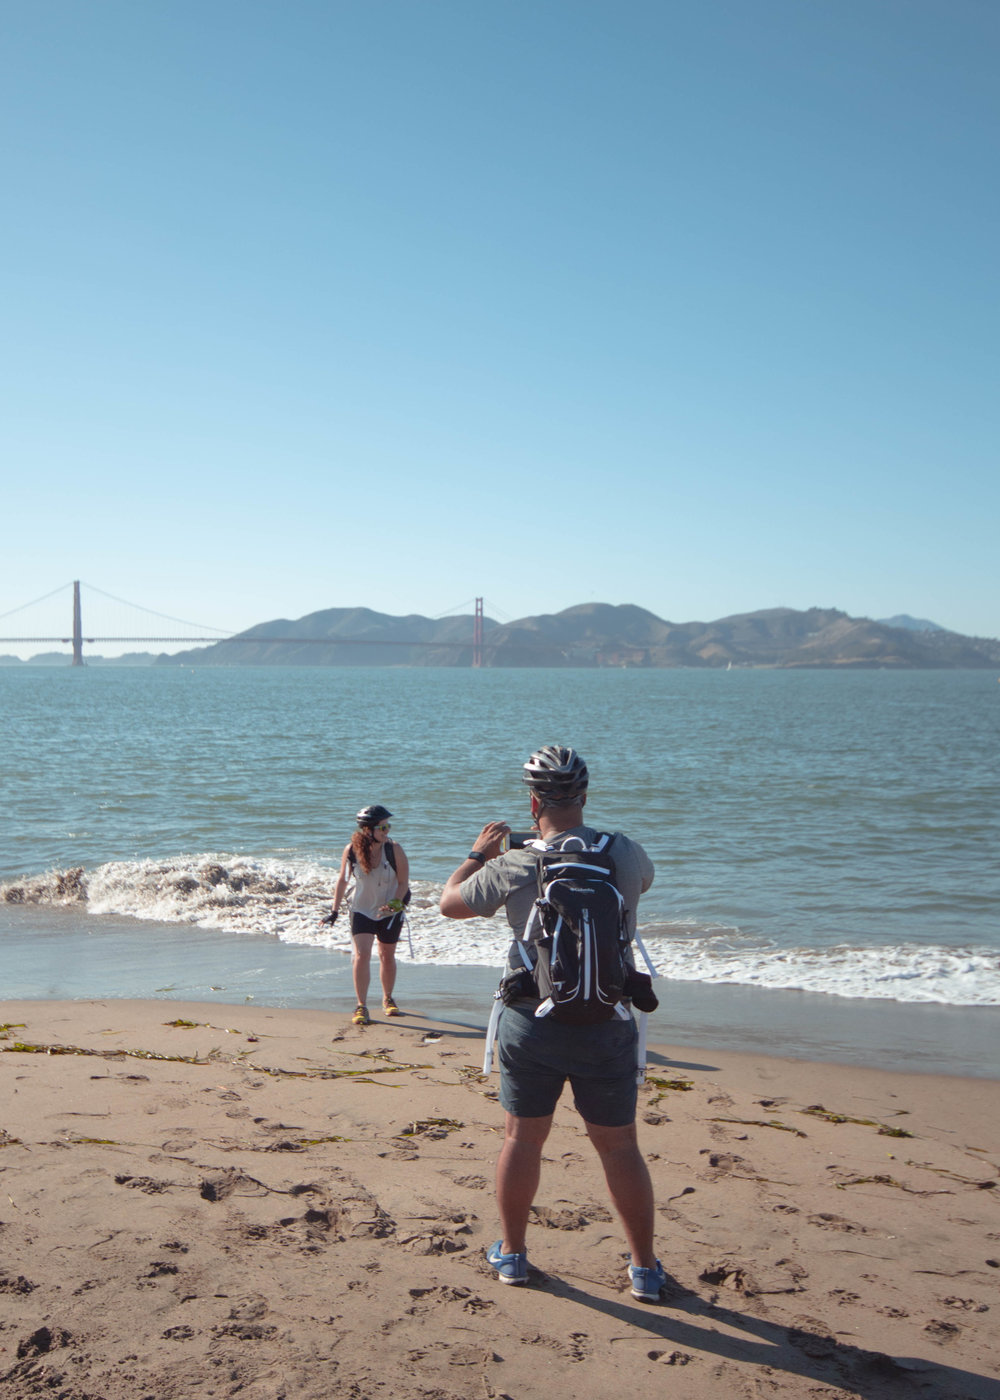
[361, 1017]
[390, 1008]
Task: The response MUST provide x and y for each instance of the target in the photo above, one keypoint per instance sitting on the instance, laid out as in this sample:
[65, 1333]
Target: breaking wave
[286, 900]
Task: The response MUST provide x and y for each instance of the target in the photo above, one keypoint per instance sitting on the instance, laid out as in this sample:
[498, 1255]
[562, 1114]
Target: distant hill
[64, 658]
[319, 639]
[598, 634]
[911, 624]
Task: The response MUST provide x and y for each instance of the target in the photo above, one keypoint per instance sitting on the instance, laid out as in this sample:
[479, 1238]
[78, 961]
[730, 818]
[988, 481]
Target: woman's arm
[341, 885]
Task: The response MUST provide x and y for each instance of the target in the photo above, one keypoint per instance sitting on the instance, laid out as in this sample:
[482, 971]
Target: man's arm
[487, 844]
[646, 871]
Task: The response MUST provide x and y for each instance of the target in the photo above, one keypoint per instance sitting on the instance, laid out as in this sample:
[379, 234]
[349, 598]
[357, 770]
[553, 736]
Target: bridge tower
[77, 626]
[477, 635]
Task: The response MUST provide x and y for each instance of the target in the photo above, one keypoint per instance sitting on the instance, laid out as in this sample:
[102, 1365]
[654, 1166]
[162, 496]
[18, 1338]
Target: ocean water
[832, 835]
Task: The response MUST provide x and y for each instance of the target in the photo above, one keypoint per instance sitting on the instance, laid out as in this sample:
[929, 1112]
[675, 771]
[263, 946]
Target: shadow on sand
[687, 1324]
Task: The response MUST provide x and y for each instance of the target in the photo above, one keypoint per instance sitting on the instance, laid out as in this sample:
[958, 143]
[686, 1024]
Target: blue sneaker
[511, 1268]
[647, 1283]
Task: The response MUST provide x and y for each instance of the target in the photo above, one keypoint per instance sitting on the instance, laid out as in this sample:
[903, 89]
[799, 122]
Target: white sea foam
[900, 972]
[286, 900]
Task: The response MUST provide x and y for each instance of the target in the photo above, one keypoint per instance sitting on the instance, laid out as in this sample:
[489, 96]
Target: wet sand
[62, 955]
[277, 1204]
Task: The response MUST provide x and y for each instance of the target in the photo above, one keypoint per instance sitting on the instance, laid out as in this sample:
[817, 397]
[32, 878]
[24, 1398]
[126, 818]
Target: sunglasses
[384, 826]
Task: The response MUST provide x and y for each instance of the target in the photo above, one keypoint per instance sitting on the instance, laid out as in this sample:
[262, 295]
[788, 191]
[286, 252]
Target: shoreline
[72, 958]
[273, 1203]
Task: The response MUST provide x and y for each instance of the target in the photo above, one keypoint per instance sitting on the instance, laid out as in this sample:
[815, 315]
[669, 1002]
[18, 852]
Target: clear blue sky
[397, 302]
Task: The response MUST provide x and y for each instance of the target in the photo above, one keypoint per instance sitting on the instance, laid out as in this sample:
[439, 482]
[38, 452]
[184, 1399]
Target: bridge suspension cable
[43, 599]
[202, 626]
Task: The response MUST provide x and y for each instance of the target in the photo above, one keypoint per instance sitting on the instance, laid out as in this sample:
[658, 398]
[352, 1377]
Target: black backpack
[575, 946]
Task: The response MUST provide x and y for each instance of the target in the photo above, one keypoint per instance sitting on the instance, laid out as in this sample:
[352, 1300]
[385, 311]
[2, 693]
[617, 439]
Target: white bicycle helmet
[556, 774]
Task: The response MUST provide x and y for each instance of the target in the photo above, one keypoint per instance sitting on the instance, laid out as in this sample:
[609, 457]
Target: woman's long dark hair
[363, 842]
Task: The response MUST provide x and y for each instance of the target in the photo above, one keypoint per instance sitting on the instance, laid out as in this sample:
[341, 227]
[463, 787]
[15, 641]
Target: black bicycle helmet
[556, 774]
[371, 816]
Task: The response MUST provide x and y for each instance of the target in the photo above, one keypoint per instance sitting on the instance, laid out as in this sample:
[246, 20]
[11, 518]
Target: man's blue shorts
[537, 1055]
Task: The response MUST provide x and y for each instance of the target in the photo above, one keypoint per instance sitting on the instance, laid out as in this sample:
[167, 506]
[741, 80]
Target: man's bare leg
[630, 1187]
[519, 1169]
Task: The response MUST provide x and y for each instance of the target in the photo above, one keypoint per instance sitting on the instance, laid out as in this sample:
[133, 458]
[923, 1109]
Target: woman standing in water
[382, 888]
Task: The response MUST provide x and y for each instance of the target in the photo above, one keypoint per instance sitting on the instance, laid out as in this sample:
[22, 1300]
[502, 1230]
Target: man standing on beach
[538, 1054]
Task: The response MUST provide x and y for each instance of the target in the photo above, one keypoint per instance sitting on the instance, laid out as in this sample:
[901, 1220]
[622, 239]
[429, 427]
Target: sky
[397, 303]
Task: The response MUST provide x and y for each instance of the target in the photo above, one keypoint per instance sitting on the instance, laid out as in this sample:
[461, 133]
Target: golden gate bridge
[77, 637]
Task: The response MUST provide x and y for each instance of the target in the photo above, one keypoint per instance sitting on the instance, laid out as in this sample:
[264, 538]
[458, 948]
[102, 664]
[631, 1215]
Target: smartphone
[517, 840]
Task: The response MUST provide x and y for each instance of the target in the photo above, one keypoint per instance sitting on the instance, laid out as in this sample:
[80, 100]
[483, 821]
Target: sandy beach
[204, 1200]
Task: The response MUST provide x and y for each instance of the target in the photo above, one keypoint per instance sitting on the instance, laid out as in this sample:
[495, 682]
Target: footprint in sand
[319, 1227]
[811, 1339]
[221, 1185]
[731, 1276]
[825, 1221]
[570, 1219]
[249, 1309]
[245, 1331]
[456, 1355]
[940, 1331]
[727, 1162]
[429, 1299]
[41, 1342]
[161, 1268]
[575, 1347]
[444, 1237]
[670, 1358]
[965, 1304]
[147, 1184]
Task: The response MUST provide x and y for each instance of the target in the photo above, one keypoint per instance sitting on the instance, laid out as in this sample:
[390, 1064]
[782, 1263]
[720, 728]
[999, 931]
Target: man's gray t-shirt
[511, 880]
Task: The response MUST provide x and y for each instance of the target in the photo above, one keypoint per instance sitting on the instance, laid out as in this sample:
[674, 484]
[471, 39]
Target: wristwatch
[476, 855]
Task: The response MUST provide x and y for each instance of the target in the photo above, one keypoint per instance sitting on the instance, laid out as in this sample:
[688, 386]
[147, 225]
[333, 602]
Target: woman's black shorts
[385, 930]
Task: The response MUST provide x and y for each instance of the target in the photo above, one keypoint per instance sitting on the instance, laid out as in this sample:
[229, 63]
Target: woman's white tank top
[373, 888]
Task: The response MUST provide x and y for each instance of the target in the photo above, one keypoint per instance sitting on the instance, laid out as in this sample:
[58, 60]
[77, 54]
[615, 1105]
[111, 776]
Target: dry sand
[279, 1204]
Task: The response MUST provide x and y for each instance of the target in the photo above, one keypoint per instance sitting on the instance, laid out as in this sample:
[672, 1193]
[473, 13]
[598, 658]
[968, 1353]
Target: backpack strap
[491, 1033]
[390, 855]
[645, 956]
[640, 1066]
